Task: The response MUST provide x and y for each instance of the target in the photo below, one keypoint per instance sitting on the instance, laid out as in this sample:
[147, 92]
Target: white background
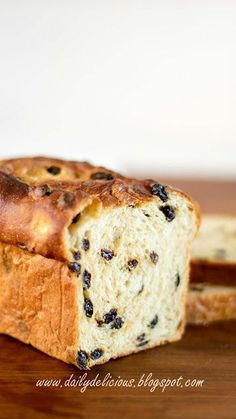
[141, 86]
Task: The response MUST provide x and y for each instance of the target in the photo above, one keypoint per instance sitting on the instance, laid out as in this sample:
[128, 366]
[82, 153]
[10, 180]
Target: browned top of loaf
[39, 197]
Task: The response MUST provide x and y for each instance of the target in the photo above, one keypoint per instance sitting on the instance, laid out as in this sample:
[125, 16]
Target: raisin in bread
[93, 265]
[212, 295]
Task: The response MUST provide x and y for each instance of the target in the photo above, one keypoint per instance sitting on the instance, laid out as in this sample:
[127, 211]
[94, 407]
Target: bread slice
[93, 265]
[209, 303]
[212, 295]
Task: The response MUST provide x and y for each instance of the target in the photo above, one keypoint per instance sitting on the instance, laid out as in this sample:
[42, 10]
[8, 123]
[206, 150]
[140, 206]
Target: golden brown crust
[213, 272]
[207, 308]
[38, 302]
[39, 197]
[36, 170]
[34, 220]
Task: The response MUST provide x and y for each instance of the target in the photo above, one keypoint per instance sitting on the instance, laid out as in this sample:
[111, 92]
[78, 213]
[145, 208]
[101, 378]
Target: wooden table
[206, 353]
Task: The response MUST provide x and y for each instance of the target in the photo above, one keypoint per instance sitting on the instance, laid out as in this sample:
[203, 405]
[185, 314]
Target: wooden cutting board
[205, 353]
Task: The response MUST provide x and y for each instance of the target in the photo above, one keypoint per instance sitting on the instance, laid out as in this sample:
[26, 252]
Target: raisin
[66, 200]
[85, 244]
[154, 257]
[177, 280]
[168, 212]
[160, 191]
[141, 337]
[76, 218]
[54, 170]
[47, 191]
[118, 323]
[86, 279]
[145, 342]
[88, 307]
[76, 255]
[132, 263]
[75, 267]
[43, 190]
[110, 316]
[82, 359]
[153, 322]
[96, 354]
[107, 254]
[102, 176]
[146, 214]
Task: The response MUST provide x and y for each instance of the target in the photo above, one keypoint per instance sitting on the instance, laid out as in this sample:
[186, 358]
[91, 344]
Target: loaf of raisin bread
[93, 265]
[212, 294]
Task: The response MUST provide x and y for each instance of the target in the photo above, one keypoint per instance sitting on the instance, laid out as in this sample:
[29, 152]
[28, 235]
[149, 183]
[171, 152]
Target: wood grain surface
[204, 353]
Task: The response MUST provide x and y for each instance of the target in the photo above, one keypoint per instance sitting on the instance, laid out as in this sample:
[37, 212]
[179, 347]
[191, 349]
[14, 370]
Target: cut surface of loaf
[116, 248]
[212, 295]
